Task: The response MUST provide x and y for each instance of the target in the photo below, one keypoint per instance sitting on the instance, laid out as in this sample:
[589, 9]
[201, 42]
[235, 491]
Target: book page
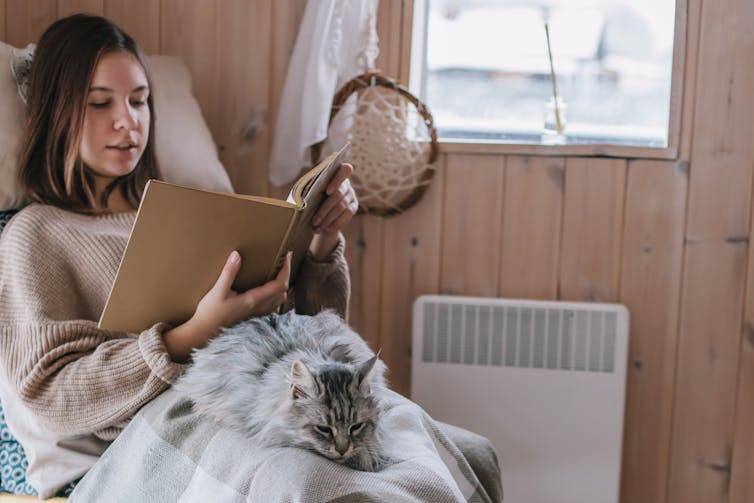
[324, 169]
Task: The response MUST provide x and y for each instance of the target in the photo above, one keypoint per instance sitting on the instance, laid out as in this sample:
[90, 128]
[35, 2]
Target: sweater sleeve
[78, 379]
[73, 377]
[324, 284]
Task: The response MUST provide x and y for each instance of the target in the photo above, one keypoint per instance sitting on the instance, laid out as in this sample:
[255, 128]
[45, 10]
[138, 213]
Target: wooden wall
[668, 238]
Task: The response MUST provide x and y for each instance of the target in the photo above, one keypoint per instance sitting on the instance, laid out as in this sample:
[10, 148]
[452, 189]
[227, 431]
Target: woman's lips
[123, 151]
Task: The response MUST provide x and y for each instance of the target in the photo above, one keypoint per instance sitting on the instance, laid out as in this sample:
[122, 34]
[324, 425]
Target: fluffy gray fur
[294, 380]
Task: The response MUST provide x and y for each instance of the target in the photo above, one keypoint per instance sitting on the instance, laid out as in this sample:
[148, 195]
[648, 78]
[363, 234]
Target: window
[483, 69]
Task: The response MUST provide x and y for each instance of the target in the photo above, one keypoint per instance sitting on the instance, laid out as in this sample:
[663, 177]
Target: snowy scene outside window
[483, 69]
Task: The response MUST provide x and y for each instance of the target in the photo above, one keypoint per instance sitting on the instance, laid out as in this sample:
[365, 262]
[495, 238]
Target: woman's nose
[125, 118]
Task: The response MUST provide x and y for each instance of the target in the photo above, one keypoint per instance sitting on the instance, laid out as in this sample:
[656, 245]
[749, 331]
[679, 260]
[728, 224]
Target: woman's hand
[223, 307]
[334, 213]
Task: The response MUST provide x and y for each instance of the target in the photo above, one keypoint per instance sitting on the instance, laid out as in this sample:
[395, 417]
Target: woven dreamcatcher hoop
[393, 142]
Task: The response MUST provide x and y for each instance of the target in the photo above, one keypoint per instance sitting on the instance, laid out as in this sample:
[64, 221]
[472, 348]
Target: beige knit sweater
[72, 380]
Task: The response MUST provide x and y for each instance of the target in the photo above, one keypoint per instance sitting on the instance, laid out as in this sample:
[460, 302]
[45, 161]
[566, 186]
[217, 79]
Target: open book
[182, 237]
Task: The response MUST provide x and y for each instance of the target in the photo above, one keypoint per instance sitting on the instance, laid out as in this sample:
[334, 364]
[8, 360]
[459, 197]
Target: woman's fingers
[284, 274]
[341, 208]
[344, 171]
[229, 272]
[266, 298]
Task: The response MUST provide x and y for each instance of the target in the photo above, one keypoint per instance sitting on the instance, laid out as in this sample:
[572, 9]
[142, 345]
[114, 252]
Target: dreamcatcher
[393, 142]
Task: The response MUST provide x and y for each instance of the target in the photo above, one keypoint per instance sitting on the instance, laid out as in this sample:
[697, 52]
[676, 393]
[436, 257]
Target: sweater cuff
[156, 355]
[330, 263]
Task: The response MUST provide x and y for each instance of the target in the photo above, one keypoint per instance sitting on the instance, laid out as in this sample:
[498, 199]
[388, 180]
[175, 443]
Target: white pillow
[185, 150]
[12, 117]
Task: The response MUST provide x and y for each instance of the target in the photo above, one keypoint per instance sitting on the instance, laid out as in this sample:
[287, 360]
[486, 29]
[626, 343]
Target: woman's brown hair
[51, 169]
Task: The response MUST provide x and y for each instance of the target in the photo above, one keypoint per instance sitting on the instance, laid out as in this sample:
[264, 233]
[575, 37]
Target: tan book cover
[182, 237]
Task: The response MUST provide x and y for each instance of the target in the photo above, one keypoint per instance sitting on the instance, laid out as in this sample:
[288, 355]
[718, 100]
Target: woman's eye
[138, 103]
[101, 104]
[356, 428]
[323, 429]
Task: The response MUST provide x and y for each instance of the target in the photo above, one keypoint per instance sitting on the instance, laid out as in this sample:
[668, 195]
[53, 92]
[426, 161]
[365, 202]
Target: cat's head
[336, 408]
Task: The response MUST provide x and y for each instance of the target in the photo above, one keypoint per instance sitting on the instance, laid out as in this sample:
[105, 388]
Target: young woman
[68, 387]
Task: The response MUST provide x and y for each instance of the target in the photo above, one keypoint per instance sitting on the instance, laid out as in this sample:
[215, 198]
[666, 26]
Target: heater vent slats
[519, 336]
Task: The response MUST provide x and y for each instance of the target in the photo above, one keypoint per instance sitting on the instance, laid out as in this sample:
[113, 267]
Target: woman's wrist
[323, 245]
[181, 340]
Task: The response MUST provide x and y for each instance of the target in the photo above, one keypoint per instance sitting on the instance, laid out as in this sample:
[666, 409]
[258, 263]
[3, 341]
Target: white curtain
[336, 42]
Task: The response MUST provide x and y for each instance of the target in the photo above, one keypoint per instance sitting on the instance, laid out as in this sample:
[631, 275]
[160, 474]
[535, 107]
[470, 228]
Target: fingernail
[234, 257]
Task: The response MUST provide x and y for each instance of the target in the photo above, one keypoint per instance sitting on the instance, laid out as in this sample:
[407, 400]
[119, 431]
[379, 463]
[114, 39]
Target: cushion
[185, 149]
[12, 116]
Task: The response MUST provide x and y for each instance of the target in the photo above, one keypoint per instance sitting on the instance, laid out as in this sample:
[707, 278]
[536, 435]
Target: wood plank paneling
[592, 229]
[286, 19]
[389, 31]
[68, 7]
[693, 20]
[189, 29]
[532, 224]
[742, 470]
[705, 388]
[138, 18]
[722, 141]
[471, 223]
[26, 21]
[411, 267]
[650, 288]
[364, 255]
[244, 52]
[717, 236]
[2, 19]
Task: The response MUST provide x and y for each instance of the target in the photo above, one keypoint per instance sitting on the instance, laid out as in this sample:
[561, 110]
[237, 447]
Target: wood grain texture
[717, 240]
[411, 267]
[244, 30]
[471, 225]
[2, 19]
[676, 79]
[532, 226]
[138, 18]
[389, 31]
[723, 149]
[189, 29]
[286, 19]
[693, 23]
[407, 26]
[705, 386]
[592, 229]
[26, 21]
[652, 260]
[68, 7]
[364, 237]
[742, 472]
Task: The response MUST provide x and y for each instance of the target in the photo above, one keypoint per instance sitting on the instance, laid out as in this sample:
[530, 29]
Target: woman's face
[116, 121]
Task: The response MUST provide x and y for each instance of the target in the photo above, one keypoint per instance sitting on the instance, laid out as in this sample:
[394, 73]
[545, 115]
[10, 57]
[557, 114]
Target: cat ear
[301, 380]
[364, 370]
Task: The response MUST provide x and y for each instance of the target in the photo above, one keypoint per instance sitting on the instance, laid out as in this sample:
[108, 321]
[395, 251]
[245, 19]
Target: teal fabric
[5, 216]
[13, 462]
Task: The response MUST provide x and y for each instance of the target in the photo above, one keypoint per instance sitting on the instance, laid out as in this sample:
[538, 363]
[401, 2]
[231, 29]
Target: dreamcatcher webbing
[393, 142]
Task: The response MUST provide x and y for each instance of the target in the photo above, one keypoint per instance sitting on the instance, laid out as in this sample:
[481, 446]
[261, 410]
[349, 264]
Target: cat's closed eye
[356, 428]
[323, 430]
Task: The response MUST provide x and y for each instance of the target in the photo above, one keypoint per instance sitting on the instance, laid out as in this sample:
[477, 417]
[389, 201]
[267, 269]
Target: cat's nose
[341, 447]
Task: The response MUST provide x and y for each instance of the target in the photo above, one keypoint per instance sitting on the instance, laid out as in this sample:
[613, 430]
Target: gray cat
[294, 380]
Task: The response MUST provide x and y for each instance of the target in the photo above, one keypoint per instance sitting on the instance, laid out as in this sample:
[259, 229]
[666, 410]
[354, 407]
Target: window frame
[414, 56]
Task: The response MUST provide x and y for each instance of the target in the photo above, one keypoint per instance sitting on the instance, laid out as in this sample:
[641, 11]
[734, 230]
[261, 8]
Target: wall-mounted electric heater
[544, 381]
